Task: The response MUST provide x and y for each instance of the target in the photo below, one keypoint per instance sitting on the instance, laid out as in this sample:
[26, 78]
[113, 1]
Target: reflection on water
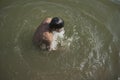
[91, 44]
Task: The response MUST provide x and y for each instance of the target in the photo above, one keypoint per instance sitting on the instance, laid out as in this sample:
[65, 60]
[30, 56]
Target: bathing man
[44, 33]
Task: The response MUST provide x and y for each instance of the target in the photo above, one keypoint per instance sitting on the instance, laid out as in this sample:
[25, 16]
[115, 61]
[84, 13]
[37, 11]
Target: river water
[91, 48]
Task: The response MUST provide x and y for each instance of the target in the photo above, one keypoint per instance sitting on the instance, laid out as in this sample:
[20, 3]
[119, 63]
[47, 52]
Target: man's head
[56, 23]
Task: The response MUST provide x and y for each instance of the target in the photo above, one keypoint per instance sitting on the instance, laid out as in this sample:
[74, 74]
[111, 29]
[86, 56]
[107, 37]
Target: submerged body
[47, 36]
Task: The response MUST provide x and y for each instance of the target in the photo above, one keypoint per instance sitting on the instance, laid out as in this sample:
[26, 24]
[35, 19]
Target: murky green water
[92, 42]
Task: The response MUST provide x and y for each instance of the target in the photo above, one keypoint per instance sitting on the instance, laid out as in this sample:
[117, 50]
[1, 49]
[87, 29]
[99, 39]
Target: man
[45, 32]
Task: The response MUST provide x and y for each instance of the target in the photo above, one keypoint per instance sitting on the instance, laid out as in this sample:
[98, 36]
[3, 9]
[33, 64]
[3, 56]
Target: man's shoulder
[47, 20]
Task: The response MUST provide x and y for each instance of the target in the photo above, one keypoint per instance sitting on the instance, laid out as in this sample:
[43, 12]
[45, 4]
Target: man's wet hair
[56, 23]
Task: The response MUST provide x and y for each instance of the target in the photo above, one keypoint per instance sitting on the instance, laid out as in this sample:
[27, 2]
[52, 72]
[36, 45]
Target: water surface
[92, 40]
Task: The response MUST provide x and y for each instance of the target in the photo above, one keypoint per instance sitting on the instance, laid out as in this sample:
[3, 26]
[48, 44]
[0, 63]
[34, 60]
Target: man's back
[42, 34]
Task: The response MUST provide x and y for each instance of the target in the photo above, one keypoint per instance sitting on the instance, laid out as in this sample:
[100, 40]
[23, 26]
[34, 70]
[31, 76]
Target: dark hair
[56, 23]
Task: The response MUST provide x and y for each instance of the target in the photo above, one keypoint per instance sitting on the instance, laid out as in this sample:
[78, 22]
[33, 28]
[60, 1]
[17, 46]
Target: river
[91, 48]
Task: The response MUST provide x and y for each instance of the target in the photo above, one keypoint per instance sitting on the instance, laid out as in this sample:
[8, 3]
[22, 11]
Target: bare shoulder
[47, 20]
[43, 24]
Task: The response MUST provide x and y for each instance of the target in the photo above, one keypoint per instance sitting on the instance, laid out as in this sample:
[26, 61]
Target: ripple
[87, 37]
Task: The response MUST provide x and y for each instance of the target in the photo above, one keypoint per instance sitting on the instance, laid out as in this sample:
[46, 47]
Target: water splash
[57, 38]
